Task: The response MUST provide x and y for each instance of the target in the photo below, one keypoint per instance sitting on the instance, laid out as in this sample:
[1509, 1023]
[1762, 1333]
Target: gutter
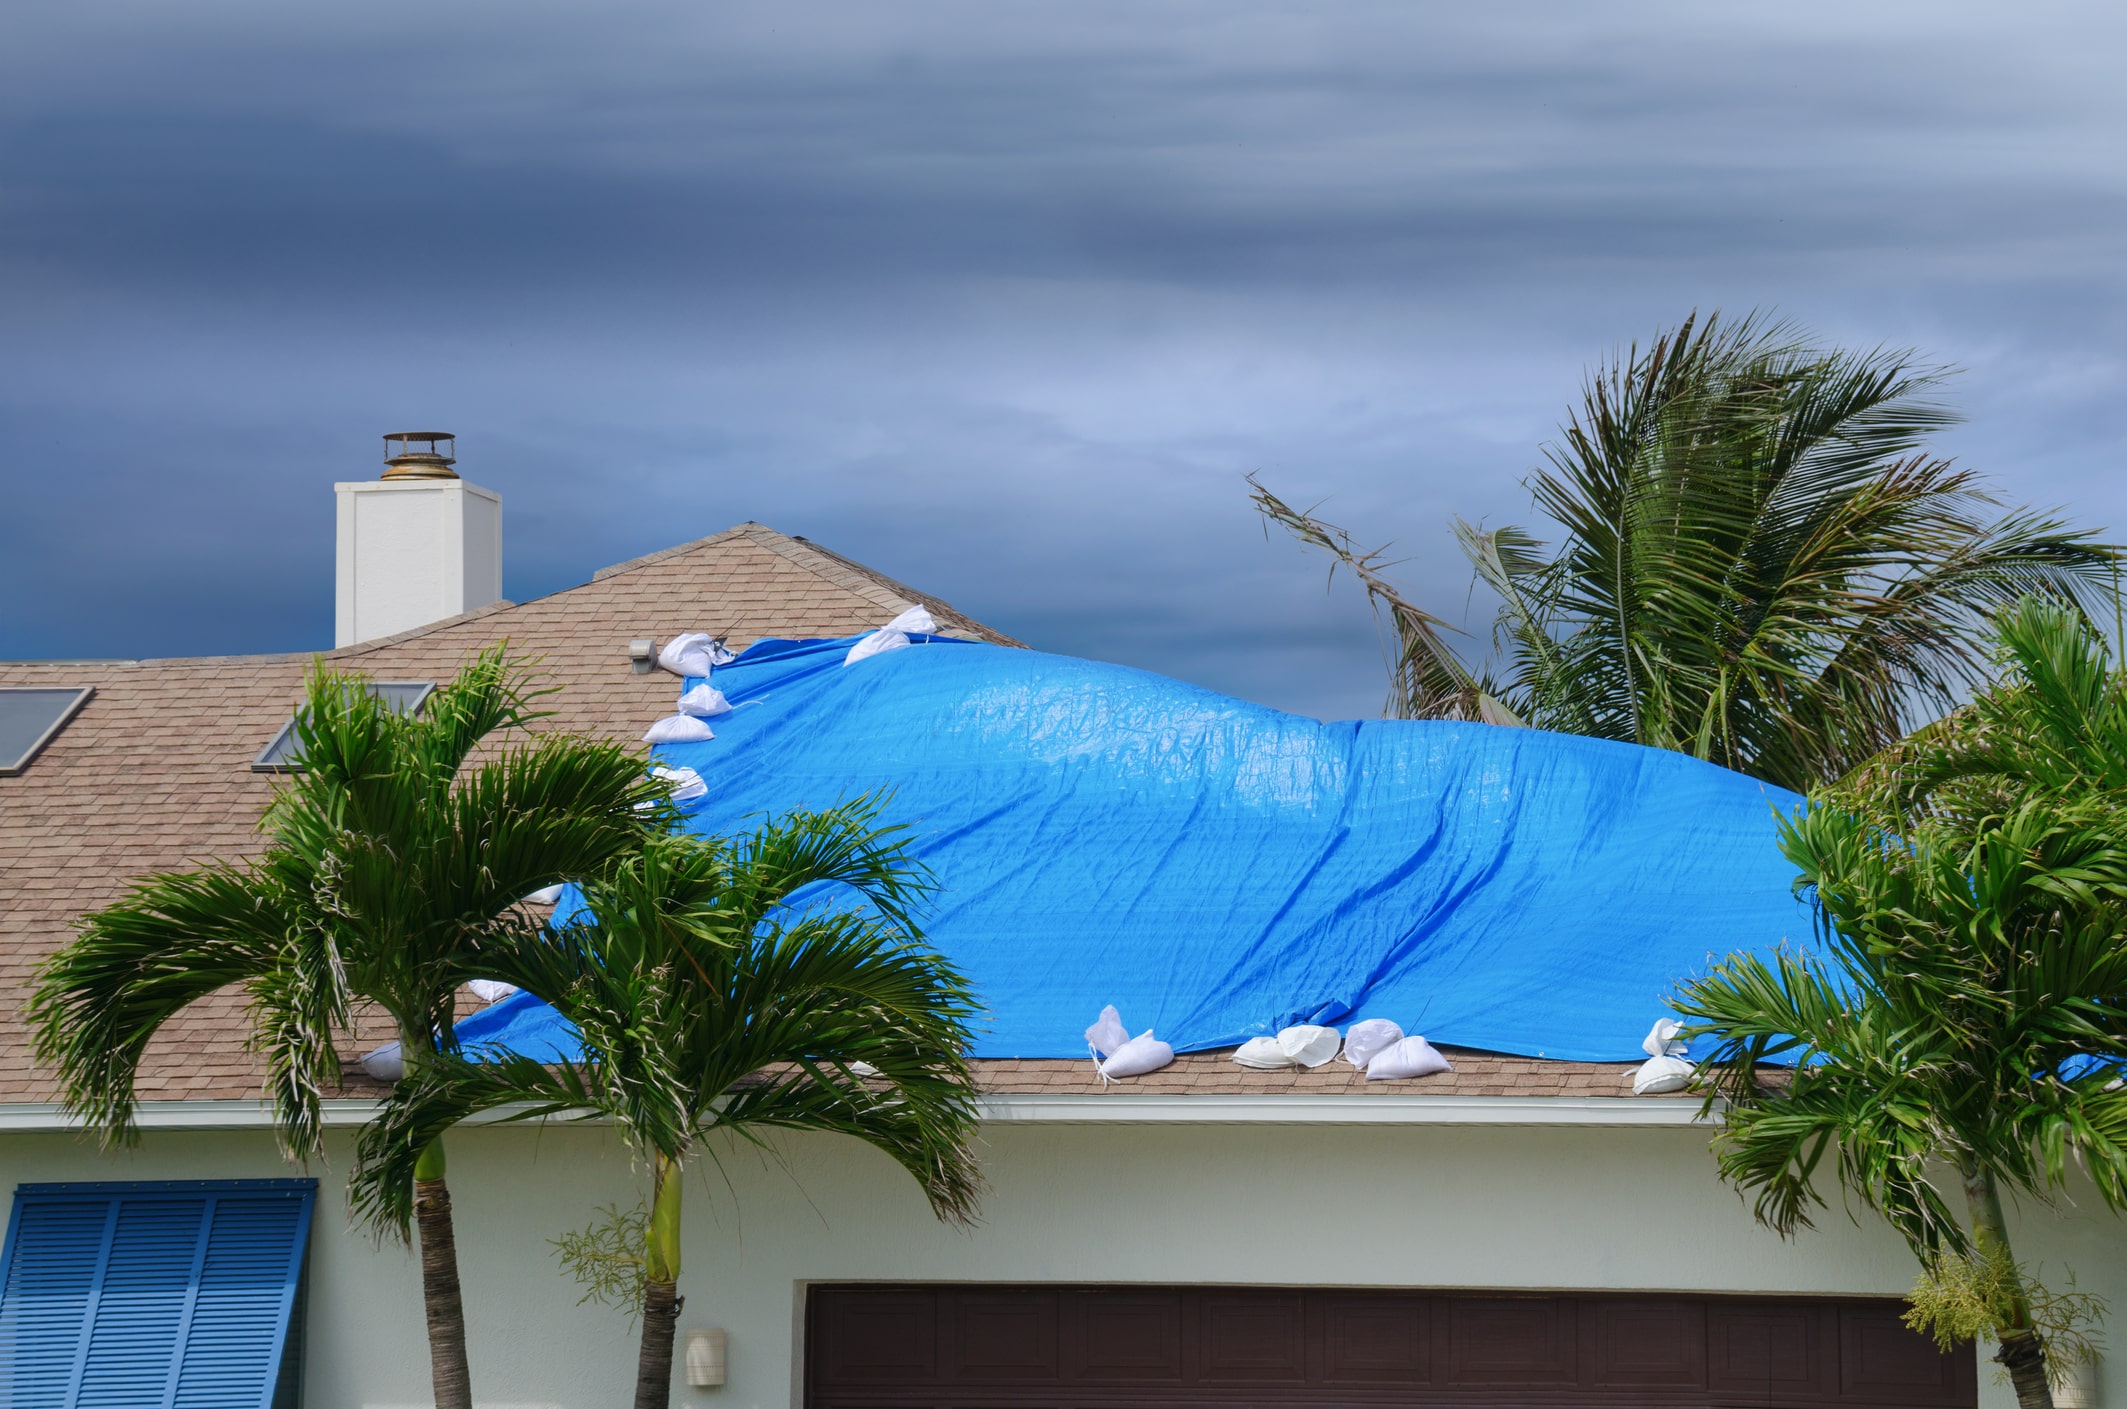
[1091, 1109]
[45, 1117]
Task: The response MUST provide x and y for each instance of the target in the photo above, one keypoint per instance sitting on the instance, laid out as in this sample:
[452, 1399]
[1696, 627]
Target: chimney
[417, 545]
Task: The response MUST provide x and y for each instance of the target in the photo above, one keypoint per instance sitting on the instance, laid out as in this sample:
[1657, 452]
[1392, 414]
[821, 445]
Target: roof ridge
[356, 648]
[889, 594]
[839, 570]
[875, 588]
[909, 596]
[614, 569]
[139, 662]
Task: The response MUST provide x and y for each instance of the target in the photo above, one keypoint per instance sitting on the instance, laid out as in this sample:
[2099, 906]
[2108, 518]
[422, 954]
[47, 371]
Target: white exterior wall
[411, 552]
[1418, 1206]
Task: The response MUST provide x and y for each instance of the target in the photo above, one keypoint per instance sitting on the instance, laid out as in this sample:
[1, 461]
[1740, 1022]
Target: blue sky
[1003, 299]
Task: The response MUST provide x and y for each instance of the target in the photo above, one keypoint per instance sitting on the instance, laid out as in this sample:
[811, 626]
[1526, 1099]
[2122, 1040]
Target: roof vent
[432, 461]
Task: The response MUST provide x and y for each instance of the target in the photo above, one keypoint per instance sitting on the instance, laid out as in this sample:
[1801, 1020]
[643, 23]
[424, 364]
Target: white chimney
[416, 546]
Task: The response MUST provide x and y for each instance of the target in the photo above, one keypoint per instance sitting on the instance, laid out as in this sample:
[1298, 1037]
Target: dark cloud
[1002, 299]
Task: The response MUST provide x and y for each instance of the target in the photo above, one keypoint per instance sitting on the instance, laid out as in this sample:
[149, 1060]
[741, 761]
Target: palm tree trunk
[653, 1365]
[2021, 1351]
[451, 1375]
[661, 1298]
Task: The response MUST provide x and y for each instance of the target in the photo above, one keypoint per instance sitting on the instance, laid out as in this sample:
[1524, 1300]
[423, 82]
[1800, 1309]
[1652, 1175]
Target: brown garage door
[1064, 1347]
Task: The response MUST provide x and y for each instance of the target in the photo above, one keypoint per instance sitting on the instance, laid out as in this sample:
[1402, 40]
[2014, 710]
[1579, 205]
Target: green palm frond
[432, 1100]
[394, 857]
[707, 1000]
[1759, 564]
[846, 845]
[1965, 1026]
[171, 941]
[553, 810]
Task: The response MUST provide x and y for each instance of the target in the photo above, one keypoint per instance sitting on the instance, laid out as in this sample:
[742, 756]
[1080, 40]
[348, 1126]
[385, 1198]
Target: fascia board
[1088, 1108]
[1067, 1108]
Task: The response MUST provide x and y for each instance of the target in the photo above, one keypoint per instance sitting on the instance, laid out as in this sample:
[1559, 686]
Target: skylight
[30, 719]
[286, 753]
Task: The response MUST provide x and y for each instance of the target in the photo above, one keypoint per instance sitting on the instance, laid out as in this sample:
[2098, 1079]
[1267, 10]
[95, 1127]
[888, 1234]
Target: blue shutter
[150, 1295]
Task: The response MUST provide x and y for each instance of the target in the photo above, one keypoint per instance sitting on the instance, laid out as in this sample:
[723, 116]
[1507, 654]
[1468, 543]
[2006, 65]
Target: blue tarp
[1219, 870]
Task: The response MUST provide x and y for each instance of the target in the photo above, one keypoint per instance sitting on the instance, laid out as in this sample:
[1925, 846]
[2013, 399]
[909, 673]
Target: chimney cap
[434, 461]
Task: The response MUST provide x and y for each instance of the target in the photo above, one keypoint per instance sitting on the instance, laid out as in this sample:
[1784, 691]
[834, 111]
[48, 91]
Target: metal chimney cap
[403, 461]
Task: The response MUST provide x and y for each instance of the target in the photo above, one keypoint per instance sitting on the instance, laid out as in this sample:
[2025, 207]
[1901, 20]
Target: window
[30, 719]
[177, 1293]
[285, 753]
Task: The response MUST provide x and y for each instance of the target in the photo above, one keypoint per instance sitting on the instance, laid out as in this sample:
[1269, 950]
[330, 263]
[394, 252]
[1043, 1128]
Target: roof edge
[648, 559]
[888, 594]
[908, 597]
[357, 648]
[1122, 1108]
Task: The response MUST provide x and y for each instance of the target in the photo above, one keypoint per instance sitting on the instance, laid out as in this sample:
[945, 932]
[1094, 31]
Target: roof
[1215, 1074]
[154, 774]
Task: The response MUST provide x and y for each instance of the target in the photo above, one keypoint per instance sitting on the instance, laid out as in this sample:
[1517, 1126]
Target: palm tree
[1759, 564]
[718, 986]
[2055, 727]
[391, 855]
[1962, 1034]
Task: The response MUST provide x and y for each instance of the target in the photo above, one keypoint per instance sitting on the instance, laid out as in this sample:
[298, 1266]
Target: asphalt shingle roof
[154, 774]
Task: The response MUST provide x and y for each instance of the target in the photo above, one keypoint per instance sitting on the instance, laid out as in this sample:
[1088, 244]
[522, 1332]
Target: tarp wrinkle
[1221, 870]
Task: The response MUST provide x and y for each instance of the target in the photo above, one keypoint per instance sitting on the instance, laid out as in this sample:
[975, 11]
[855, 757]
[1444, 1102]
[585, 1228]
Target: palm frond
[1759, 563]
[421, 1109]
[394, 858]
[170, 942]
[1968, 1013]
[844, 846]
[1427, 678]
[709, 998]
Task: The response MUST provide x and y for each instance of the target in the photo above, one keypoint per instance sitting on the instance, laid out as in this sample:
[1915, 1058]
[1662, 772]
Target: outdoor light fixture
[642, 656]
[2075, 1389]
[705, 1358]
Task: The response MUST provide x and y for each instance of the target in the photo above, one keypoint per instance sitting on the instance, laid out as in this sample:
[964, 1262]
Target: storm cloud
[1002, 299]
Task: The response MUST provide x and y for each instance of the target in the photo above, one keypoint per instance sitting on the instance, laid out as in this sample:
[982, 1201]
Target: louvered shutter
[150, 1295]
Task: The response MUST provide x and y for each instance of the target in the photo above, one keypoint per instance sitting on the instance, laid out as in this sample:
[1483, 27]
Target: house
[1521, 1231]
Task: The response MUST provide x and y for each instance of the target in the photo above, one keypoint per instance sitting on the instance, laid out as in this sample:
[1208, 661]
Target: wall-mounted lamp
[642, 656]
[705, 1358]
[2076, 1388]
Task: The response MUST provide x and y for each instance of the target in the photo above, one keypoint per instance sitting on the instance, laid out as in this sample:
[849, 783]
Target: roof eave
[1088, 1108]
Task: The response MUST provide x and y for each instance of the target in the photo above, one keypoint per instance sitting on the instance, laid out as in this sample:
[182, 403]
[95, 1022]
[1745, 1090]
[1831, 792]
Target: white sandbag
[387, 1063]
[545, 895]
[1308, 1045]
[693, 653]
[892, 636]
[704, 701]
[1363, 1039]
[1139, 1055]
[1413, 1056]
[491, 990]
[1107, 1035]
[1660, 1075]
[1262, 1054]
[1661, 1040]
[686, 784]
[679, 729]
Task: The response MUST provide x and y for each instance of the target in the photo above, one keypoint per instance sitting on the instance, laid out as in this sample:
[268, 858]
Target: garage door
[989, 1347]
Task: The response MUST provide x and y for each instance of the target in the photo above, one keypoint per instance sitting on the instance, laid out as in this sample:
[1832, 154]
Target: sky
[1002, 299]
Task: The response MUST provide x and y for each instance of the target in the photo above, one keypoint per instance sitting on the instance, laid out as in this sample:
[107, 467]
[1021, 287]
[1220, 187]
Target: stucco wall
[1315, 1205]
